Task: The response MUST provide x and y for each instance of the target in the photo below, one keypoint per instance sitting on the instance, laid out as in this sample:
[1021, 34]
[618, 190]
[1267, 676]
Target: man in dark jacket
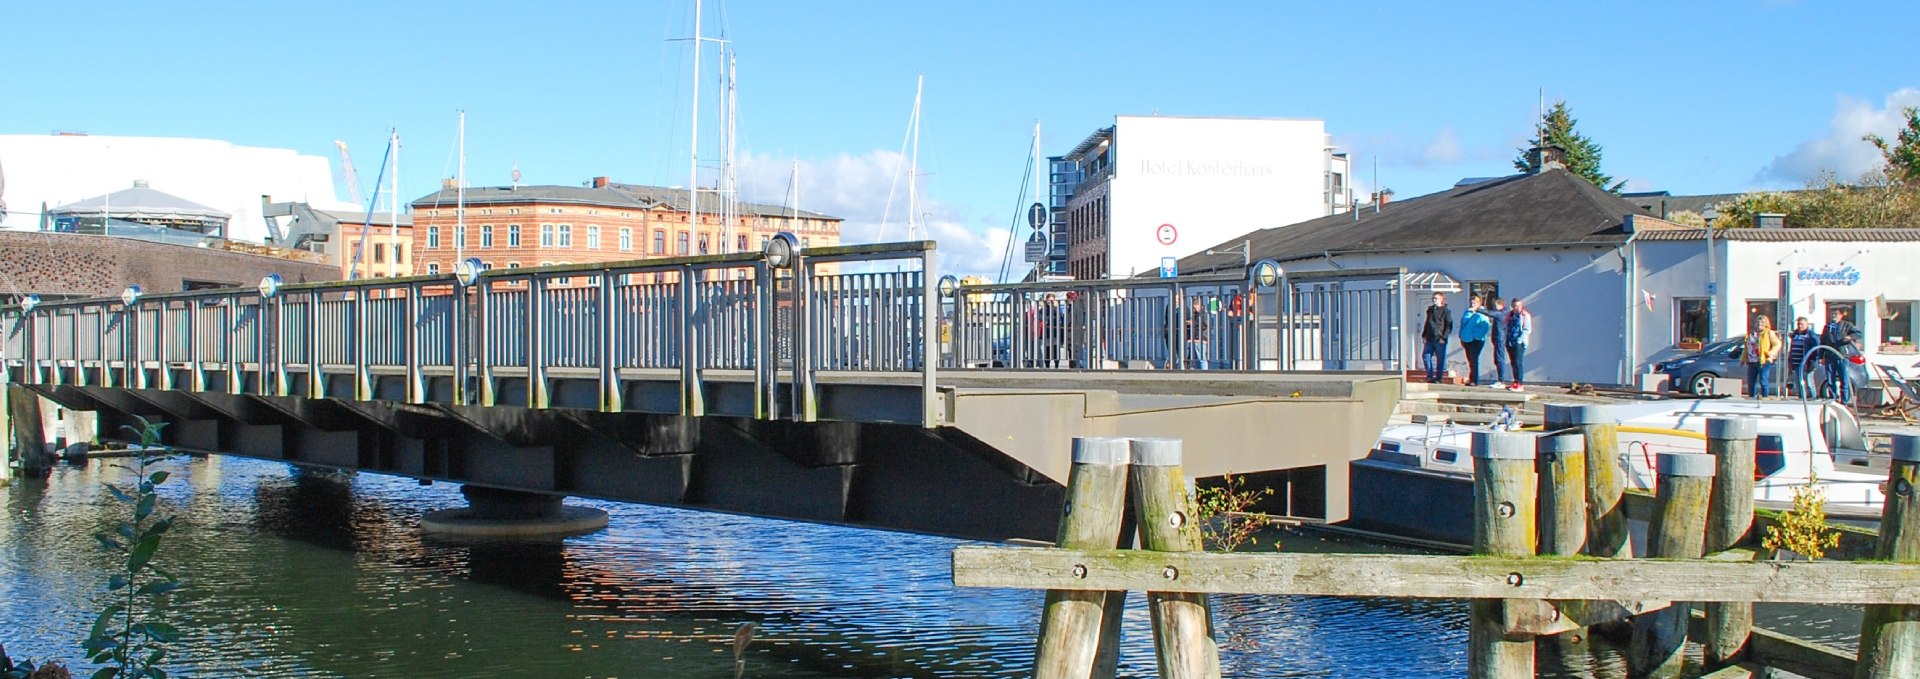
[1497, 339]
[1435, 331]
[1803, 340]
[1840, 335]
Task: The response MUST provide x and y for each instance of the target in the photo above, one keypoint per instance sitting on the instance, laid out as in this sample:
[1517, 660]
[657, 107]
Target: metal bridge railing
[1322, 321]
[798, 314]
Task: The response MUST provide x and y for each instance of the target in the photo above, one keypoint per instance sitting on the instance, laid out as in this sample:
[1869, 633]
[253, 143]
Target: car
[1694, 373]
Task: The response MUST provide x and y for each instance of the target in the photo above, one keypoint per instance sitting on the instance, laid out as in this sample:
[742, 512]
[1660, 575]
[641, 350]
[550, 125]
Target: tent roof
[140, 202]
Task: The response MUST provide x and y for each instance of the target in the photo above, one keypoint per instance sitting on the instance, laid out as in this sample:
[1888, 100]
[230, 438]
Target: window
[460, 237]
[1690, 322]
[1896, 323]
[742, 244]
[1849, 308]
[433, 238]
[593, 238]
[681, 244]
[379, 253]
[626, 240]
[566, 235]
[546, 235]
[659, 242]
[705, 240]
[763, 242]
[513, 265]
[513, 235]
[486, 236]
[806, 243]
[400, 253]
[1486, 291]
[433, 268]
[1759, 308]
[513, 210]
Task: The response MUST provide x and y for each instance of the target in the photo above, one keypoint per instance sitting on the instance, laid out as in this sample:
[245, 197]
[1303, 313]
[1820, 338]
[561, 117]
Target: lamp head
[270, 285]
[130, 295]
[1266, 273]
[781, 249]
[468, 270]
[948, 286]
[28, 302]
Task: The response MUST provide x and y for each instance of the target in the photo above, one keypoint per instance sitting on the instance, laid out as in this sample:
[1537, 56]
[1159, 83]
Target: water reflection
[320, 574]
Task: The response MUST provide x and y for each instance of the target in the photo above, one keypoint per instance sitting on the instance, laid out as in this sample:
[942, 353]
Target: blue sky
[1688, 97]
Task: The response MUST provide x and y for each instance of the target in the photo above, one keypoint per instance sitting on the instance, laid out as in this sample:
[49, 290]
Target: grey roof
[1789, 235]
[613, 195]
[1663, 205]
[380, 218]
[141, 202]
[1552, 207]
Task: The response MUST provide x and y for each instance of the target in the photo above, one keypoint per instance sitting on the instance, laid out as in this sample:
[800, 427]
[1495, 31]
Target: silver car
[1694, 373]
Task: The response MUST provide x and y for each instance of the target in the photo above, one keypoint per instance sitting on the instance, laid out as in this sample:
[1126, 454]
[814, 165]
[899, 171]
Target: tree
[1582, 154]
[1902, 157]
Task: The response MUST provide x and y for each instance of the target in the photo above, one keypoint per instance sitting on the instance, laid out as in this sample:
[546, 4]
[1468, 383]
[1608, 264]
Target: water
[294, 574]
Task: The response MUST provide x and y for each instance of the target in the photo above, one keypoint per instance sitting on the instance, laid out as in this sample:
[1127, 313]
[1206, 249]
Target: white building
[1151, 189]
[64, 168]
[1613, 290]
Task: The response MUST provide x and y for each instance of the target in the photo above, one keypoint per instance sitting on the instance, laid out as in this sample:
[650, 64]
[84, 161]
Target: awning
[1430, 281]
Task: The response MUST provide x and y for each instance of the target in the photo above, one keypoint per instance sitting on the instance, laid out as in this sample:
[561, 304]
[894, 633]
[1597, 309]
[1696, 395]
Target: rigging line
[1013, 227]
[887, 211]
[353, 271]
[659, 104]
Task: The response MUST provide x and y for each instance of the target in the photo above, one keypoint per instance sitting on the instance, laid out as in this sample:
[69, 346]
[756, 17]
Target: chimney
[1552, 157]
[1383, 196]
[1770, 220]
[450, 183]
[140, 184]
[599, 182]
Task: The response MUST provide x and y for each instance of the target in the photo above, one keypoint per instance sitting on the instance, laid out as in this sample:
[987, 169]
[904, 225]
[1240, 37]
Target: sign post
[1169, 267]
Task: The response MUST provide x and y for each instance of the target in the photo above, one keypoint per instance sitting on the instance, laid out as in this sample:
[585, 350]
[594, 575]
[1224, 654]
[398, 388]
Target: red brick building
[525, 226]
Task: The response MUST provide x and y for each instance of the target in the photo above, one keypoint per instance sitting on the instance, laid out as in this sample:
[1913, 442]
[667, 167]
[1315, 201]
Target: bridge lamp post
[1263, 275]
[468, 270]
[781, 249]
[28, 302]
[130, 295]
[270, 285]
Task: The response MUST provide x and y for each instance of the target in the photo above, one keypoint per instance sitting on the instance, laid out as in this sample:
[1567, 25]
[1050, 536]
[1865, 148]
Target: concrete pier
[494, 512]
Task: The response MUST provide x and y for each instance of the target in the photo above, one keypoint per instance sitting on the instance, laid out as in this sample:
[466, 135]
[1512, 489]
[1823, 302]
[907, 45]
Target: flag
[1648, 298]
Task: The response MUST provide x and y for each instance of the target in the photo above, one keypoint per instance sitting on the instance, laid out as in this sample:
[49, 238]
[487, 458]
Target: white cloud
[1444, 149]
[856, 188]
[1841, 149]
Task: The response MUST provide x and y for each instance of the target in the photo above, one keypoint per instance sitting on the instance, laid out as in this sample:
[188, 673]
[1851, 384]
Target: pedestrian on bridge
[1474, 327]
[1497, 337]
[1519, 335]
[1435, 331]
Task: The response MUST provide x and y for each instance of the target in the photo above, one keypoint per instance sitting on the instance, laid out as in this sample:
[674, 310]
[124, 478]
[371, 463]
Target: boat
[1417, 480]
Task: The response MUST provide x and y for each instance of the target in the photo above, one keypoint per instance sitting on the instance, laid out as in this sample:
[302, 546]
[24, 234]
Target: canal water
[298, 574]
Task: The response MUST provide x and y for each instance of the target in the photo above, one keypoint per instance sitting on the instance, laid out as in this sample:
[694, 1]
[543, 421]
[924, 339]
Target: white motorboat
[1798, 442]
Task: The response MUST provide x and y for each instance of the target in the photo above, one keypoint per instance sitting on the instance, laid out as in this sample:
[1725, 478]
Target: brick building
[525, 226]
[61, 265]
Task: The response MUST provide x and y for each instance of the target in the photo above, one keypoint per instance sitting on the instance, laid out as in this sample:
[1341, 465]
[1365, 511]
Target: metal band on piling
[1733, 428]
[1153, 452]
[1561, 415]
[1108, 450]
[1493, 445]
[1906, 447]
[1560, 445]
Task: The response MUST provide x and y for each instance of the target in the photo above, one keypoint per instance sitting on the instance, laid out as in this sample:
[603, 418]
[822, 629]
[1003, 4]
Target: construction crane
[346, 167]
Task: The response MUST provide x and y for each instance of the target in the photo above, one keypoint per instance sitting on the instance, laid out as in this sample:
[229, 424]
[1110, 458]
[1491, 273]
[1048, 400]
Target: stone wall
[56, 265]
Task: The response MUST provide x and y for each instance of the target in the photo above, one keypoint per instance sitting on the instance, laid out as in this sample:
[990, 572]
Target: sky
[1697, 97]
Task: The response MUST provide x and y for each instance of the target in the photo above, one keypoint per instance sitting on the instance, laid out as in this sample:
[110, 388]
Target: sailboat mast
[693, 134]
[460, 194]
[730, 205]
[913, 164]
[393, 207]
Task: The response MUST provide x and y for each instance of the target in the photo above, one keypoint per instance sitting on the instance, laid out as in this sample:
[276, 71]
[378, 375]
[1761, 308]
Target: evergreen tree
[1902, 156]
[1582, 154]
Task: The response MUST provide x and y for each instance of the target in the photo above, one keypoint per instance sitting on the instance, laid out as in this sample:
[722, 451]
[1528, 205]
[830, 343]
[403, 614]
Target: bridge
[847, 384]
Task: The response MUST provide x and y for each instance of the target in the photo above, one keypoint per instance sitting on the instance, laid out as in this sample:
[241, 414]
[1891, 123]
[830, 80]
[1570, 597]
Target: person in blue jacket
[1497, 338]
[1474, 327]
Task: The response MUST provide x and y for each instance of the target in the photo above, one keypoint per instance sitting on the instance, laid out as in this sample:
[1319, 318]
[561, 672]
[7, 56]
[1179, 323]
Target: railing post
[106, 370]
[930, 414]
[410, 327]
[195, 343]
[235, 385]
[1890, 635]
[1504, 505]
[163, 343]
[457, 329]
[1182, 630]
[806, 408]
[484, 337]
[1729, 518]
[135, 376]
[610, 396]
[766, 343]
[693, 394]
[316, 378]
[362, 338]
[1678, 531]
[1072, 623]
[268, 346]
[536, 324]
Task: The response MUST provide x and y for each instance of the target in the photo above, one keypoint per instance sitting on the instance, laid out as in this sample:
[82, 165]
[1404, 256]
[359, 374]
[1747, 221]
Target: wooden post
[29, 432]
[1072, 624]
[6, 429]
[1563, 532]
[1678, 531]
[1890, 635]
[1182, 633]
[1504, 501]
[1730, 441]
[1607, 534]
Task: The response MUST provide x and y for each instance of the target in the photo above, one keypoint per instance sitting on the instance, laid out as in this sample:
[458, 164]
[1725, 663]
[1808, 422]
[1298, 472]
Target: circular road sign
[1166, 234]
[1036, 215]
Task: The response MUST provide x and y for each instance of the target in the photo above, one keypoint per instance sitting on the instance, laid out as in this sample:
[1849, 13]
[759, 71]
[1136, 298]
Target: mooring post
[1890, 635]
[1562, 468]
[1072, 623]
[6, 430]
[1678, 531]
[1607, 534]
[1504, 508]
[1182, 633]
[1730, 440]
[29, 432]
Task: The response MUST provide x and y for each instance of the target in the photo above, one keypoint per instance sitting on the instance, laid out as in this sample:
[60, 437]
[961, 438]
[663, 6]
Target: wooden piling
[1073, 625]
[1607, 534]
[1678, 531]
[1182, 633]
[1563, 494]
[29, 435]
[1890, 635]
[1729, 518]
[6, 430]
[1504, 502]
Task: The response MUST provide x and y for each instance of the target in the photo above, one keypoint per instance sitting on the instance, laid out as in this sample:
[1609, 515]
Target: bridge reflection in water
[846, 385]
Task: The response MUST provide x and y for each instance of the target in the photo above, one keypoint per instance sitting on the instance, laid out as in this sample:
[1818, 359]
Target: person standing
[1839, 334]
[1435, 331]
[1497, 338]
[1803, 340]
[1519, 336]
[1474, 327]
[1761, 353]
[1197, 326]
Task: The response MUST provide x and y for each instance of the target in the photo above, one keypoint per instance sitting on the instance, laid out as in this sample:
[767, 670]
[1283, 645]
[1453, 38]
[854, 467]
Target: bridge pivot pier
[492, 512]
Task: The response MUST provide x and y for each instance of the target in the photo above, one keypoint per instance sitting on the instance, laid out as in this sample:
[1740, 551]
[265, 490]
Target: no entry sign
[1166, 234]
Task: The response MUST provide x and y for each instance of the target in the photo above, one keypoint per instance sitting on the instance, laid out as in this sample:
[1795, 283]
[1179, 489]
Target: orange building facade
[516, 227]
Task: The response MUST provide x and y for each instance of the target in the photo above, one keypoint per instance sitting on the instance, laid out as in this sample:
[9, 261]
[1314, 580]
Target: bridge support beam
[28, 435]
[496, 512]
